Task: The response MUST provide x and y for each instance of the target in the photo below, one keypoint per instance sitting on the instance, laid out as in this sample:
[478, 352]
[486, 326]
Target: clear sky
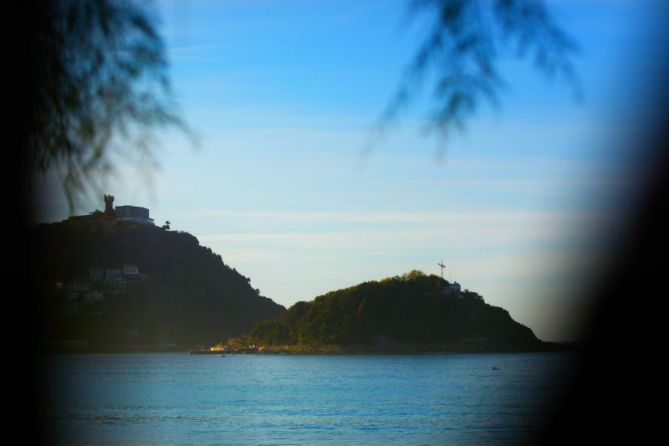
[283, 95]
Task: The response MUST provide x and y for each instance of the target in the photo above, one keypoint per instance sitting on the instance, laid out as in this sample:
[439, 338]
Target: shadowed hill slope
[105, 283]
[415, 311]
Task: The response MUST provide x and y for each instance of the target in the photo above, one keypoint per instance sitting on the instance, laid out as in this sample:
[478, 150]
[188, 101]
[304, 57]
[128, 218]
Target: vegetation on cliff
[410, 312]
[180, 292]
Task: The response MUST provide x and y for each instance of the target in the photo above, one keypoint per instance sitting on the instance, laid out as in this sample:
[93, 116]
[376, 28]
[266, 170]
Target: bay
[179, 399]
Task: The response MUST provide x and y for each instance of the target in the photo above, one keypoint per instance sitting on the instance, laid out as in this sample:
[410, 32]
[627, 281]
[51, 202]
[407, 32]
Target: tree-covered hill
[414, 311]
[105, 283]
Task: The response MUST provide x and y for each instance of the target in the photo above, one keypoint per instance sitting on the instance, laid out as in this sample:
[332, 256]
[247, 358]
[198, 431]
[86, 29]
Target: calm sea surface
[164, 398]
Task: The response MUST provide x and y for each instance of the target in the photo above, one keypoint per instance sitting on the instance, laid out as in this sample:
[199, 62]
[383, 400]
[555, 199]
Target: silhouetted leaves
[100, 82]
[459, 55]
[101, 79]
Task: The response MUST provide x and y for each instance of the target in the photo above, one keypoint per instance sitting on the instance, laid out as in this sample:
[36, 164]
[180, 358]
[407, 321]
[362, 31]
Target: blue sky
[283, 95]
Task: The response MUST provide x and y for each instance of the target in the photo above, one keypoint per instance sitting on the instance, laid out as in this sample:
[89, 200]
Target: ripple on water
[283, 399]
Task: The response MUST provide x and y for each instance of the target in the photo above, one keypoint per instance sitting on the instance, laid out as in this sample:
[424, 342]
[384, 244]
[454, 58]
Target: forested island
[411, 313]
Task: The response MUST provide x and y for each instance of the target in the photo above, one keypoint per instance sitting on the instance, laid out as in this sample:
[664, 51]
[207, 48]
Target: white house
[94, 296]
[130, 270]
[111, 273]
[453, 288]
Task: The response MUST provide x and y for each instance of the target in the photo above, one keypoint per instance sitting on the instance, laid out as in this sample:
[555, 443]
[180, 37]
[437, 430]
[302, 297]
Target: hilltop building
[133, 214]
[452, 288]
[122, 214]
[455, 287]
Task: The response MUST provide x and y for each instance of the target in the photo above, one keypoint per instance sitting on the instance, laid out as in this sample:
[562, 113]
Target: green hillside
[103, 283]
[414, 312]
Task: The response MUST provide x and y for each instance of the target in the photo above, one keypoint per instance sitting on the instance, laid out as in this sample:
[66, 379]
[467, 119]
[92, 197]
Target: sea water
[181, 399]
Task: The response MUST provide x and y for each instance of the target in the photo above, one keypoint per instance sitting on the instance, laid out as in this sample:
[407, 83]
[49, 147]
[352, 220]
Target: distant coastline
[311, 350]
[70, 348]
[408, 349]
[108, 285]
